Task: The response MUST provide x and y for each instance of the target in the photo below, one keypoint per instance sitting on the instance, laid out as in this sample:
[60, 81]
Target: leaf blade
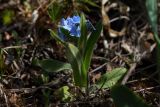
[55, 11]
[90, 45]
[51, 65]
[109, 79]
[56, 37]
[83, 37]
[75, 59]
[152, 9]
[123, 97]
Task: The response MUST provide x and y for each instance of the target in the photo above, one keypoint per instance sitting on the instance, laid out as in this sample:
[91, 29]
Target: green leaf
[64, 94]
[81, 46]
[90, 45]
[51, 65]
[152, 9]
[56, 37]
[109, 79]
[123, 97]
[75, 60]
[89, 2]
[55, 11]
[65, 32]
[70, 38]
[46, 97]
[83, 37]
[7, 16]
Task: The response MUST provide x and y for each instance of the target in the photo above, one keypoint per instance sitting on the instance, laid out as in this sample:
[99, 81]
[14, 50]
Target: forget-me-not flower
[72, 24]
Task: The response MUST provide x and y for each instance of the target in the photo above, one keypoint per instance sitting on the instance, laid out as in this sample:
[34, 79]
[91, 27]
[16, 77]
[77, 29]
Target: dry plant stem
[134, 81]
[146, 89]
[13, 47]
[32, 90]
[145, 68]
[98, 68]
[118, 18]
[5, 97]
[126, 77]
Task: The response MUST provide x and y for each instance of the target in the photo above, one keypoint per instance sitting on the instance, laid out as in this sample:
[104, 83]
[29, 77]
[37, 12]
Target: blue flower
[76, 19]
[73, 26]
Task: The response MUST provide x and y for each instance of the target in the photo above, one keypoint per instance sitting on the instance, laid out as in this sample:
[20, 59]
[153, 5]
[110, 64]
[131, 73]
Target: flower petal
[73, 30]
[63, 22]
[78, 31]
[72, 24]
[67, 27]
[76, 19]
[69, 21]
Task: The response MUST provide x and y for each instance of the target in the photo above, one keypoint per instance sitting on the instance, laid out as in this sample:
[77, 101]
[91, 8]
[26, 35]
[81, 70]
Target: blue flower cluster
[73, 26]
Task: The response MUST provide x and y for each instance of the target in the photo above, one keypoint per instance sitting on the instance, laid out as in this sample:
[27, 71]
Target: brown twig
[149, 88]
[4, 95]
[132, 68]
[56, 83]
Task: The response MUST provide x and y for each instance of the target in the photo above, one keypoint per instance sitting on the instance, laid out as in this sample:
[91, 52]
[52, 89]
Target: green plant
[46, 96]
[7, 16]
[79, 53]
[64, 94]
[152, 10]
[80, 56]
[109, 79]
[124, 97]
